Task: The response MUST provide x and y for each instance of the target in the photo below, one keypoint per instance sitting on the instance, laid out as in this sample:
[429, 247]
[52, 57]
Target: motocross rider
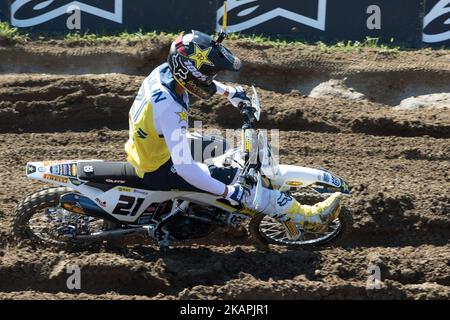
[158, 147]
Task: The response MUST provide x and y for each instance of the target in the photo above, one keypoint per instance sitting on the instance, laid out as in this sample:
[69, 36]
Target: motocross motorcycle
[99, 201]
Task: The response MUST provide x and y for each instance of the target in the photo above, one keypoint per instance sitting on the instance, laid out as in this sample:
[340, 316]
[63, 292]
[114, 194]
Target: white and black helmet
[196, 58]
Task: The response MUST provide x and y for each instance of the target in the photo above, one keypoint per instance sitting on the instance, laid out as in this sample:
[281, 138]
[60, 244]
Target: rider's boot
[159, 232]
[285, 208]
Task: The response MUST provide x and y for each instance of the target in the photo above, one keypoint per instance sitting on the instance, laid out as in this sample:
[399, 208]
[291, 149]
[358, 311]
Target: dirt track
[397, 161]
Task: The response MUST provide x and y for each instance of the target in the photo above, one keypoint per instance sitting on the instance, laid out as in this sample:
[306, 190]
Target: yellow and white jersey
[158, 122]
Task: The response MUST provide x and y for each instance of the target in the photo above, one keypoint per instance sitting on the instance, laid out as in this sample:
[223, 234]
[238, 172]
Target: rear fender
[58, 172]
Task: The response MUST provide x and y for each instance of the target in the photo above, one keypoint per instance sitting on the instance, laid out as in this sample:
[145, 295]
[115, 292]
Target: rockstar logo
[183, 116]
[201, 57]
[345, 187]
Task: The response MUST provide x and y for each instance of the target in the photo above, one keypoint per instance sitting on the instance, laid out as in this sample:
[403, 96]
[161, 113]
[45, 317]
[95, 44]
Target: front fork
[249, 139]
[250, 150]
[291, 228]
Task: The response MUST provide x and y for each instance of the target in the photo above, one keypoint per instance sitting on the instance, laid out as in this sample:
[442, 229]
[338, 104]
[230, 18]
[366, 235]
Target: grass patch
[11, 34]
[104, 38]
[371, 43]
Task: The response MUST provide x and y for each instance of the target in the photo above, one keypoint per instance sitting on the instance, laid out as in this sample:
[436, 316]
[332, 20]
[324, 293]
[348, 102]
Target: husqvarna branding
[28, 13]
[245, 14]
[436, 23]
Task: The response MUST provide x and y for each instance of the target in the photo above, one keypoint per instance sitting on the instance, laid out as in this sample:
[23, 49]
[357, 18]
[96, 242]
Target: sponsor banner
[111, 15]
[436, 23]
[4, 11]
[328, 20]
[412, 23]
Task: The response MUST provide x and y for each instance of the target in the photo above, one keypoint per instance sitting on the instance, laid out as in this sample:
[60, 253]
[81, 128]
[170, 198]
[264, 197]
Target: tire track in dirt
[376, 75]
[75, 57]
[235, 272]
[33, 103]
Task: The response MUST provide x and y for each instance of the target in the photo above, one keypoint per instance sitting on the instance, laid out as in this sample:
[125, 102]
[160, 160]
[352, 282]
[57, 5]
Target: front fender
[321, 180]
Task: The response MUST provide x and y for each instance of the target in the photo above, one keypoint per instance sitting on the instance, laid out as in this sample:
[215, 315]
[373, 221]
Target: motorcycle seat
[110, 173]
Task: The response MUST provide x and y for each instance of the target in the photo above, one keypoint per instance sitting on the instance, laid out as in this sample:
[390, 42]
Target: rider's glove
[240, 194]
[236, 193]
[237, 96]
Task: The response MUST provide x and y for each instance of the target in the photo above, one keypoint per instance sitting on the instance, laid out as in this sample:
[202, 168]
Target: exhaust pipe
[82, 205]
[114, 234]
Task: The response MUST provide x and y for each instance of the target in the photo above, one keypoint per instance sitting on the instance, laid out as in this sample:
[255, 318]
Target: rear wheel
[39, 218]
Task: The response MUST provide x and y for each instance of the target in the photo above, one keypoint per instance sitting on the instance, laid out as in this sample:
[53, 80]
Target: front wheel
[266, 230]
